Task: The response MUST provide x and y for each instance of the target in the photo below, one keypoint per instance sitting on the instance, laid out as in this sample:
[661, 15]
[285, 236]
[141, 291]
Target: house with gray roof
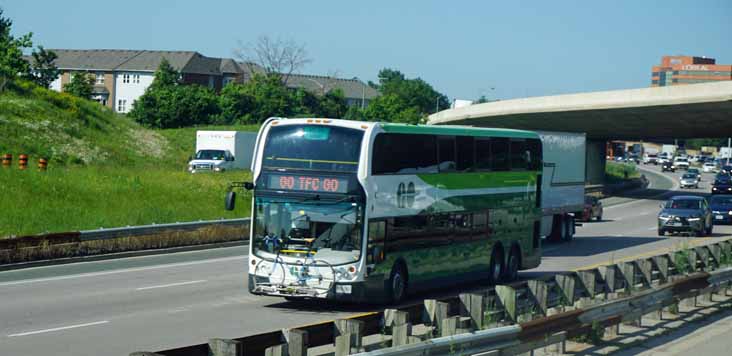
[356, 92]
[122, 76]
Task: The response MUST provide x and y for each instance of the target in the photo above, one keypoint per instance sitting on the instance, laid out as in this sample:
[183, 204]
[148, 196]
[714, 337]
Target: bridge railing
[512, 318]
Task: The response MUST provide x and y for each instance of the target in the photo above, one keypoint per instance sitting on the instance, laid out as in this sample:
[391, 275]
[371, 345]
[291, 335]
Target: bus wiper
[319, 202]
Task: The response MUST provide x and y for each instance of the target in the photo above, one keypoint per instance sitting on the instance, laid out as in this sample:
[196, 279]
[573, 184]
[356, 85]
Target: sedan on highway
[689, 180]
[685, 214]
[709, 167]
[667, 166]
[721, 208]
[722, 184]
[593, 209]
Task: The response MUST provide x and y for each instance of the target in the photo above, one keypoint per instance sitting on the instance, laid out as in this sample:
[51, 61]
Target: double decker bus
[369, 212]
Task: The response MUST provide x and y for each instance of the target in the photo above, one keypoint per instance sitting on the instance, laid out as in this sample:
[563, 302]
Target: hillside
[105, 170]
[68, 130]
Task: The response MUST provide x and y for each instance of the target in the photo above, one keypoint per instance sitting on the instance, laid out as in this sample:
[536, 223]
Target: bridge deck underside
[656, 122]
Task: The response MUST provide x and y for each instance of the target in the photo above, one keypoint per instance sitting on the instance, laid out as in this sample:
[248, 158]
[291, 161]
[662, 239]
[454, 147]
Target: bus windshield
[313, 147]
[318, 230]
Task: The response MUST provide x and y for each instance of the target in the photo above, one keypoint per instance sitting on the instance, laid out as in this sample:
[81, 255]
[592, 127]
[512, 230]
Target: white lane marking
[172, 285]
[59, 328]
[652, 228]
[137, 269]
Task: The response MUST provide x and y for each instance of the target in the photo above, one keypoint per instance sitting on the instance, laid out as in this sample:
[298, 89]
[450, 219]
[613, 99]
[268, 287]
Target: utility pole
[437, 104]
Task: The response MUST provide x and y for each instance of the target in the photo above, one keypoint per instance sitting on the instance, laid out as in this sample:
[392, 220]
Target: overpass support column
[595, 162]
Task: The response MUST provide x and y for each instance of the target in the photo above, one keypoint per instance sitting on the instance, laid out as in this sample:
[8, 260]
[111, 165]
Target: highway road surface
[150, 303]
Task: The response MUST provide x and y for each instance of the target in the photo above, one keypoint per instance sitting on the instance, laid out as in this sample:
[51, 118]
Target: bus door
[375, 248]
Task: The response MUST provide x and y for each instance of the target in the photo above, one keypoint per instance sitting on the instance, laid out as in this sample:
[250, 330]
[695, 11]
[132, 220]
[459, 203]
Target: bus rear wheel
[496, 265]
[513, 265]
[397, 288]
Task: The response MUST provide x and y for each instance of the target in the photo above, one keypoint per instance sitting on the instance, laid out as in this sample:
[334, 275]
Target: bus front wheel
[397, 287]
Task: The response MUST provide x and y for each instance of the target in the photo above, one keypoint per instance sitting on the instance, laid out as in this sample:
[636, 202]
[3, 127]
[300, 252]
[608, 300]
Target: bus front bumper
[354, 292]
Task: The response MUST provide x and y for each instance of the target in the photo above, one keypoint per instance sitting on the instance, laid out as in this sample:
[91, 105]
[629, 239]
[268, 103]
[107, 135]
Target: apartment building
[680, 70]
[122, 76]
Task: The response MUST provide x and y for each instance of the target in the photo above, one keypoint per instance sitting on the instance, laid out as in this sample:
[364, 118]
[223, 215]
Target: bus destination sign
[308, 183]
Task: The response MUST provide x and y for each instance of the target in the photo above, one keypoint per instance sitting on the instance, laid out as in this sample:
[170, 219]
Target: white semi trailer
[563, 183]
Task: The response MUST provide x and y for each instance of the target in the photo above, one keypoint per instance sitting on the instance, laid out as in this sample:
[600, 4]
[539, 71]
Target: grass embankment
[105, 170]
[620, 172]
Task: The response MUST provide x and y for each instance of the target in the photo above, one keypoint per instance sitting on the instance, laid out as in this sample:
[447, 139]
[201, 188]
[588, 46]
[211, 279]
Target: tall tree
[12, 64]
[43, 70]
[165, 75]
[81, 85]
[167, 104]
[403, 100]
[275, 56]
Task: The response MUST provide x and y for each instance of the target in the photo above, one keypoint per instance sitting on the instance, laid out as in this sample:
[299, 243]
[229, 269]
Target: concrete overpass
[684, 111]
[673, 112]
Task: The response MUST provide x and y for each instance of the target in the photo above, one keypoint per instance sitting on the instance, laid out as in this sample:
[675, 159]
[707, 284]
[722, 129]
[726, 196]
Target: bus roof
[456, 130]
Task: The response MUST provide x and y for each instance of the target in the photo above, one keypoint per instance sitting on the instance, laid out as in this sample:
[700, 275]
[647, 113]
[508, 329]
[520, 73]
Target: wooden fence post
[473, 305]
[507, 297]
[349, 329]
[225, 347]
[566, 285]
[297, 342]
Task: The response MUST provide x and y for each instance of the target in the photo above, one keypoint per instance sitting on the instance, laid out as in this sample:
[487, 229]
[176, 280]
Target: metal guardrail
[112, 233]
[518, 317]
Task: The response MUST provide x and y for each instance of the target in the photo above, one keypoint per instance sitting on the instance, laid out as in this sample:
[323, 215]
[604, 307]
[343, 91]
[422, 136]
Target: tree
[12, 64]
[168, 104]
[165, 75]
[276, 56]
[402, 99]
[235, 102]
[43, 69]
[81, 85]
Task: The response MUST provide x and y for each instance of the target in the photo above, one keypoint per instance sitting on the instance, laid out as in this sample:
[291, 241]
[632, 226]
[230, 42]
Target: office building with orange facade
[680, 70]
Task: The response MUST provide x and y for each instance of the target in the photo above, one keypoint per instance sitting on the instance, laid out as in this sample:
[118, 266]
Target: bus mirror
[248, 185]
[230, 201]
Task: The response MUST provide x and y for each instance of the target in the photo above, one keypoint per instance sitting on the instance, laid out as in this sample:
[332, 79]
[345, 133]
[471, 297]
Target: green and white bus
[368, 211]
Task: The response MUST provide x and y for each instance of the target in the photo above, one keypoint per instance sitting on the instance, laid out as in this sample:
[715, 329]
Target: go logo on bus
[405, 195]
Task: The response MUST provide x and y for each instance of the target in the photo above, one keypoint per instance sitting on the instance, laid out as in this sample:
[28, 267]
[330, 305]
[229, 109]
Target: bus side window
[377, 234]
[482, 154]
[465, 153]
[519, 155]
[480, 225]
[446, 154]
[500, 154]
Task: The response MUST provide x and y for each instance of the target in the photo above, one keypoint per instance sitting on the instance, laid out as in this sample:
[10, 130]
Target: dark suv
[685, 213]
[722, 184]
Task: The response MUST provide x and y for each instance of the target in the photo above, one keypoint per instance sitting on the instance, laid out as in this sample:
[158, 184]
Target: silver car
[685, 214]
[689, 180]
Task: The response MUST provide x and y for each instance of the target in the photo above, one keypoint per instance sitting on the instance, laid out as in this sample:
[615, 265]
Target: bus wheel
[568, 224]
[513, 264]
[496, 265]
[397, 288]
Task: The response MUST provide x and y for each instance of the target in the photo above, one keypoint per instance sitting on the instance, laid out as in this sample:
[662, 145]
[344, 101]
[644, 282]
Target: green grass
[105, 170]
[616, 172]
[79, 198]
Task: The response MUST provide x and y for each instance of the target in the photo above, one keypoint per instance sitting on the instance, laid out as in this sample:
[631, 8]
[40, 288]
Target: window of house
[136, 79]
[125, 78]
[99, 78]
[121, 105]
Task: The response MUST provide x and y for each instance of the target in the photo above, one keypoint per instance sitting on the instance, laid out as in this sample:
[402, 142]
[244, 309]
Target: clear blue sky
[463, 48]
